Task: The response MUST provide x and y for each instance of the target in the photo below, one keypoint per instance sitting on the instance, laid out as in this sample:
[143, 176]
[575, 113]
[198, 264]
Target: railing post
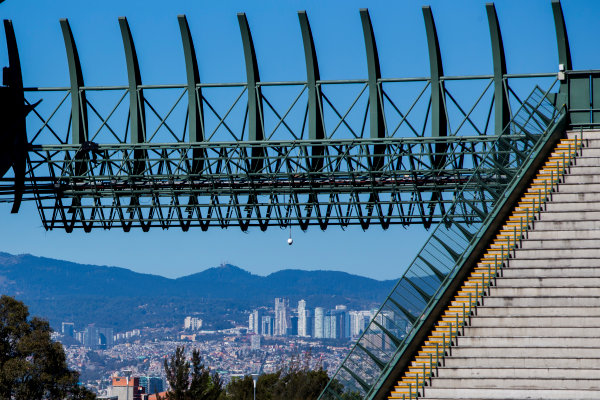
[515, 240]
[495, 268]
[444, 346]
[521, 234]
[437, 357]
[430, 367]
[482, 285]
[451, 342]
[464, 319]
[470, 307]
[570, 157]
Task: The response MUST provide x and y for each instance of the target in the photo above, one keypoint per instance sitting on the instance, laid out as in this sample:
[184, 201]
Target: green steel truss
[256, 154]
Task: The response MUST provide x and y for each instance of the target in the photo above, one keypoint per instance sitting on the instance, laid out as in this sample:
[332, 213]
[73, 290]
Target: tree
[203, 385]
[293, 384]
[178, 374]
[32, 366]
[191, 382]
[301, 385]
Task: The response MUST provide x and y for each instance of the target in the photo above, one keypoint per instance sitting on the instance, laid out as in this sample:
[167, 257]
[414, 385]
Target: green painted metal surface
[317, 152]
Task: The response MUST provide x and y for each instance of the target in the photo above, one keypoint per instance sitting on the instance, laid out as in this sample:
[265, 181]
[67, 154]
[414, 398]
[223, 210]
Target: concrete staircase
[532, 329]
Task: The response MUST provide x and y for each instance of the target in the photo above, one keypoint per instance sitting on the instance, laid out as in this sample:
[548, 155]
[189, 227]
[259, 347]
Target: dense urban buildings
[338, 323]
[117, 365]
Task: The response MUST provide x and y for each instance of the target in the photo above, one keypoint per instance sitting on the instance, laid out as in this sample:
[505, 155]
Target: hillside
[117, 297]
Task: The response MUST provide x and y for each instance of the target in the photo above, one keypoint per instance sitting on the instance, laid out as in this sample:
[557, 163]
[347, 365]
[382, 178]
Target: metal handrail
[490, 279]
[425, 307]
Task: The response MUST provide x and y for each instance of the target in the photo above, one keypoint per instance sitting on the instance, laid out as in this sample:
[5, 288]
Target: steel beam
[377, 122]
[564, 51]
[195, 108]
[562, 39]
[255, 121]
[316, 130]
[137, 118]
[501, 106]
[16, 134]
[79, 121]
[438, 110]
[438, 113]
[374, 73]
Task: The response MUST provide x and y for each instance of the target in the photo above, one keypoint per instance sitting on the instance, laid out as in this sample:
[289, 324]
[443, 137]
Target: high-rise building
[302, 319]
[98, 338]
[342, 322]
[90, 337]
[293, 327]
[192, 323]
[255, 342]
[251, 323]
[319, 323]
[267, 325]
[358, 322]
[327, 334]
[336, 324]
[282, 317]
[106, 338]
[151, 384]
[309, 324]
[68, 329]
[257, 320]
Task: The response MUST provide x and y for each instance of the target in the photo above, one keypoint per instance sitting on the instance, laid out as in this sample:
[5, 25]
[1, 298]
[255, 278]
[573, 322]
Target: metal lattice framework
[317, 152]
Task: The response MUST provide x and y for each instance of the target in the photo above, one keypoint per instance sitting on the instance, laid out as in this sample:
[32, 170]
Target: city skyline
[315, 322]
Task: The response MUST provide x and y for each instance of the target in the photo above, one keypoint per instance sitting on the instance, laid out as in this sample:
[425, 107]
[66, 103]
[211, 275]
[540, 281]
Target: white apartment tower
[302, 319]
[257, 319]
[192, 323]
[282, 317]
[319, 321]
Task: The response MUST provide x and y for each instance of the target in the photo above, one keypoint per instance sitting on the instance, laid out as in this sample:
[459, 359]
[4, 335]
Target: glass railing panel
[416, 292]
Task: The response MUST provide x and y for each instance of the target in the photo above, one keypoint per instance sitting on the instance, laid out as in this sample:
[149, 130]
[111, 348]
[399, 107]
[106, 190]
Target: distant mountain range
[117, 297]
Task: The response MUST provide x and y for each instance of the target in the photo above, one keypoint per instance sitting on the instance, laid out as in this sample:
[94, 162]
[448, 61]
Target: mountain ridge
[123, 299]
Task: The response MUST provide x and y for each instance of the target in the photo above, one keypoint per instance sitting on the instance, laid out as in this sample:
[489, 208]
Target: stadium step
[525, 323]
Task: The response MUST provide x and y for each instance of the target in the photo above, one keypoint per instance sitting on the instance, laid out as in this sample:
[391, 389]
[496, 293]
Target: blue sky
[529, 41]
